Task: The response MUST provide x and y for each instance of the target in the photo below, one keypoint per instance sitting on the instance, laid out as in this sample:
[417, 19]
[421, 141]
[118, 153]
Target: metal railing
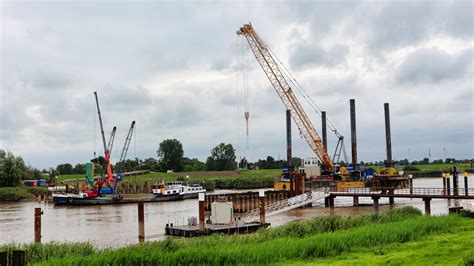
[462, 192]
[287, 204]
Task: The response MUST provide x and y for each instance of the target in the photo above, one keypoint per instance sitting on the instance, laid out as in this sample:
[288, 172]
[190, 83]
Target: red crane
[107, 148]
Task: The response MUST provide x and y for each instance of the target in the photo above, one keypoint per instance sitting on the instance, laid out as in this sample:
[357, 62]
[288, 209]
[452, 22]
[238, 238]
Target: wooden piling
[3, 258]
[38, 213]
[410, 180]
[241, 204]
[202, 213]
[261, 206]
[444, 183]
[466, 186]
[427, 206]
[18, 258]
[376, 204]
[448, 184]
[455, 181]
[355, 200]
[141, 222]
[331, 204]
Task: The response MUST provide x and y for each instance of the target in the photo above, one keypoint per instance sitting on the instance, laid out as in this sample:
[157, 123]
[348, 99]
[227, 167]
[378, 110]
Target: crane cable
[245, 60]
[93, 115]
[300, 89]
[237, 94]
[304, 94]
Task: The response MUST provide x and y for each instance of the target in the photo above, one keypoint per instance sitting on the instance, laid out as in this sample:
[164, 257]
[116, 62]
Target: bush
[19, 193]
[411, 168]
[13, 193]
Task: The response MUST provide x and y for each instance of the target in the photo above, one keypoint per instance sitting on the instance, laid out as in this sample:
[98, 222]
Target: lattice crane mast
[274, 74]
[123, 154]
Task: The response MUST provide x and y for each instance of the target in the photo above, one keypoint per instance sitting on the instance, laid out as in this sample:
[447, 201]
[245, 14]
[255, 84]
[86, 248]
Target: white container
[222, 213]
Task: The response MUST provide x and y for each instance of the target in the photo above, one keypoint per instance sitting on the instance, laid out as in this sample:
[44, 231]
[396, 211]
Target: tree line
[13, 169]
[170, 157]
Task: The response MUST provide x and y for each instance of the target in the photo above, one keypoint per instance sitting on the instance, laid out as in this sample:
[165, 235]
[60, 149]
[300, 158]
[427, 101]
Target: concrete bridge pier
[331, 204]
[355, 200]
[376, 204]
[391, 201]
[427, 206]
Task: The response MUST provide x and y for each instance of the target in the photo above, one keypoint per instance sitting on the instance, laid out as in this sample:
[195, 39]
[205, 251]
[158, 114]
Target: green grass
[248, 179]
[222, 250]
[19, 193]
[210, 179]
[43, 252]
[433, 169]
[449, 248]
[400, 236]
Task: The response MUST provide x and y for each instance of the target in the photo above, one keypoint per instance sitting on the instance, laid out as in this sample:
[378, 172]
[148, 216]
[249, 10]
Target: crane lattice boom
[127, 143]
[283, 89]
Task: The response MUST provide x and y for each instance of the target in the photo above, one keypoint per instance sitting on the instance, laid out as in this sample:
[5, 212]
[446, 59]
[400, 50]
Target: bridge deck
[434, 193]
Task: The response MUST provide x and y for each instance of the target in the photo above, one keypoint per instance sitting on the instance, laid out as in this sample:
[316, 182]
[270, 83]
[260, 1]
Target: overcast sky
[172, 67]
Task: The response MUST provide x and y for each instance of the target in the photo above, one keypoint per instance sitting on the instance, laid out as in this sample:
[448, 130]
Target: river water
[117, 225]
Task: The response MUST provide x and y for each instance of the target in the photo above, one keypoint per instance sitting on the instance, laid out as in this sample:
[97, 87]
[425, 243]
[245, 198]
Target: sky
[177, 68]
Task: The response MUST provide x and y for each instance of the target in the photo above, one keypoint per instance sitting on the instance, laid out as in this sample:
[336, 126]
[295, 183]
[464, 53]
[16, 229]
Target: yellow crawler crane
[274, 74]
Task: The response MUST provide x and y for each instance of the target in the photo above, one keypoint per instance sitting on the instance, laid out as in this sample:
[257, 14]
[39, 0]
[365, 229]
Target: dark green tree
[270, 163]
[296, 161]
[79, 169]
[170, 155]
[34, 173]
[12, 169]
[151, 164]
[65, 169]
[193, 164]
[222, 158]
[100, 164]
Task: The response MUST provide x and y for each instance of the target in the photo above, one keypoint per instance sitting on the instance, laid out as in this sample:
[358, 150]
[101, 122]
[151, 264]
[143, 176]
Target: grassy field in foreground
[400, 236]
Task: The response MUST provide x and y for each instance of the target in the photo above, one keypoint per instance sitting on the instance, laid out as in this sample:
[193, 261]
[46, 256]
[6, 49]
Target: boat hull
[75, 200]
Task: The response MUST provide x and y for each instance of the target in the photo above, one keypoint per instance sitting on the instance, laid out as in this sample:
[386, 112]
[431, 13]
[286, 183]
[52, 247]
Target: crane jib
[281, 86]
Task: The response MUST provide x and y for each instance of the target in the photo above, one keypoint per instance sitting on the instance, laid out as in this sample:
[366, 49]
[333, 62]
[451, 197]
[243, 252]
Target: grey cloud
[386, 25]
[51, 80]
[313, 55]
[395, 24]
[69, 50]
[433, 65]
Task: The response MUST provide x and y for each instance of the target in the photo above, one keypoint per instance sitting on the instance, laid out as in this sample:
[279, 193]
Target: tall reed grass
[316, 238]
[239, 251]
